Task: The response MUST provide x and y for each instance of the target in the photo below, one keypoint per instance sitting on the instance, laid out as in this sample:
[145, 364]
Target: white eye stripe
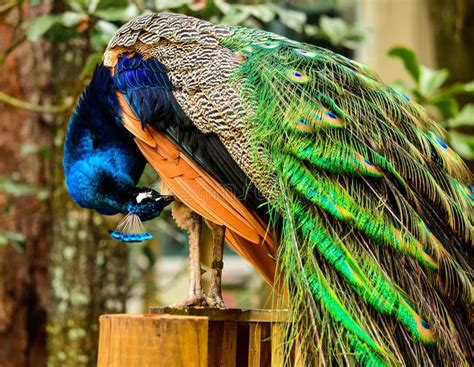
[143, 195]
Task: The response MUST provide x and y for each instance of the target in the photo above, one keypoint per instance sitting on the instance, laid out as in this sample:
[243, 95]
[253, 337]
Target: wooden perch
[188, 337]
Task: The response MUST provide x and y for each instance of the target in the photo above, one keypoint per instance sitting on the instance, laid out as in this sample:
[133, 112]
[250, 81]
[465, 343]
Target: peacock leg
[192, 222]
[214, 296]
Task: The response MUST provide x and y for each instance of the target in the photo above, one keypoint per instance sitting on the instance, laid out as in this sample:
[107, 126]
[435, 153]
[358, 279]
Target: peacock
[338, 188]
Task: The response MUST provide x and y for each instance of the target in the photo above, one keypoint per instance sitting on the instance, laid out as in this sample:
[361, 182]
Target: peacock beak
[167, 199]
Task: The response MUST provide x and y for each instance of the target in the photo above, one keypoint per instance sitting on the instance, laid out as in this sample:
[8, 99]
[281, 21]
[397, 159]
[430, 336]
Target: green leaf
[293, 19]
[334, 28]
[27, 149]
[40, 26]
[79, 6]
[455, 89]
[14, 188]
[236, 16]
[353, 44]
[43, 195]
[107, 4]
[409, 60]
[60, 33]
[262, 12]
[223, 6]
[448, 107]
[171, 4]
[90, 64]
[463, 144]
[118, 14]
[92, 6]
[102, 33]
[430, 80]
[17, 240]
[71, 18]
[312, 30]
[239, 14]
[464, 118]
[469, 87]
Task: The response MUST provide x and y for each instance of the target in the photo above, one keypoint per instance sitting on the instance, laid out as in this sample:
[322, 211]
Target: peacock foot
[214, 299]
[197, 299]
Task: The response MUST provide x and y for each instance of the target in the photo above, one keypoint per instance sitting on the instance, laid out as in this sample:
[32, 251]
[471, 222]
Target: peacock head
[143, 204]
[147, 203]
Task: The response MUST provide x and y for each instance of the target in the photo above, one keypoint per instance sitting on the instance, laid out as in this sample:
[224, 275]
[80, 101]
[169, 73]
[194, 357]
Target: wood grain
[278, 359]
[153, 340]
[193, 337]
[229, 314]
[255, 344]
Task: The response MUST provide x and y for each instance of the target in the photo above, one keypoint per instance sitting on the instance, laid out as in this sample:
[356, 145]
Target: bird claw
[215, 300]
[192, 301]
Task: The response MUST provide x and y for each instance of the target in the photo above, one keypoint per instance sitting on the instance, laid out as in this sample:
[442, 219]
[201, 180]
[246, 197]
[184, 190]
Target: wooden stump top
[192, 337]
[228, 314]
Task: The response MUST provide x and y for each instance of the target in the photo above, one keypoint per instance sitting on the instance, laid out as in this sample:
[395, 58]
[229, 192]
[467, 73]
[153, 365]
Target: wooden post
[189, 337]
[152, 340]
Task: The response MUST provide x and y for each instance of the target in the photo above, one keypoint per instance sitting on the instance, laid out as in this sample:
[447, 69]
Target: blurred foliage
[11, 186]
[430, 88]
[98, 20]
[337, 32]
[17, 240]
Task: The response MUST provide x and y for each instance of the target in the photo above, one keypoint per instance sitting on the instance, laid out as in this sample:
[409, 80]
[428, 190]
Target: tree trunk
[88, 273]
[88, 270]
[453, 24]
[23, 275]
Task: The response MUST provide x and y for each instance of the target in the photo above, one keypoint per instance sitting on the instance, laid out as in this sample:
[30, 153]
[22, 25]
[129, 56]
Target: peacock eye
[331, 115]
[269, 44]
[425, 324]
[297, 76]
[305, 52]
[442, 143]
[303, 121]
[427, 228]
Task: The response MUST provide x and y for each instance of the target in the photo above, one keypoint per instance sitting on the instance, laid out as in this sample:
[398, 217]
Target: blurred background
[58, 269]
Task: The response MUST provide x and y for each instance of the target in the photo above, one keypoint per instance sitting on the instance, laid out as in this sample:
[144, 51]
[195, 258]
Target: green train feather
[372, 208]
[336, 118]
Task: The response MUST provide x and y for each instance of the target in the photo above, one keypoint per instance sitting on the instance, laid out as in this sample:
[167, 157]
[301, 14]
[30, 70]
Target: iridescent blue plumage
[130, 237]
[147, 88]
[102, 163]
[101, 160]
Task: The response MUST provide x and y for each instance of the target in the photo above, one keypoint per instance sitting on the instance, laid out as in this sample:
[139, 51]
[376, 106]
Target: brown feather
[246, 232]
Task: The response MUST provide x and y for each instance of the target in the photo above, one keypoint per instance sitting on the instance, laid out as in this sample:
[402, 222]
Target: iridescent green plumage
[372, 208]
[362, 175]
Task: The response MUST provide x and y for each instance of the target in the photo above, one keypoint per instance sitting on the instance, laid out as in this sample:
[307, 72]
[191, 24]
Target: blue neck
[102, 163]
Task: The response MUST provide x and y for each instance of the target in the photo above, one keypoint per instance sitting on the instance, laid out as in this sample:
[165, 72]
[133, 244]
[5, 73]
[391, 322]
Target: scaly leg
[192, 222]
[214, 296]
